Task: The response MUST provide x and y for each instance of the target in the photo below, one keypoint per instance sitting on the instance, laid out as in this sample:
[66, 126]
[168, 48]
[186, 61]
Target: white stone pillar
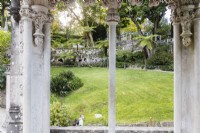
[40, 64]
[184, 72]
[7, 92]
[196, 126]
[46, 89]
[27, 42]
[177, 78]
[112, 77]
[112, 21]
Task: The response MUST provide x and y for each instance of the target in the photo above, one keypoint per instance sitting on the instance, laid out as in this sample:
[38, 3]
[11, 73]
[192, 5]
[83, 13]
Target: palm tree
[147, 43]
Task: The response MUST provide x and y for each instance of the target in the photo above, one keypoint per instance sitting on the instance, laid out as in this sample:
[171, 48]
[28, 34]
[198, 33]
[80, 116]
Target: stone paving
[2, 119]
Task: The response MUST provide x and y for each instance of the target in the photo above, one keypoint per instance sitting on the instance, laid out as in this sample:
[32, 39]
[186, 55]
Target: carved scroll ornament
[186, 18]
[39, 18]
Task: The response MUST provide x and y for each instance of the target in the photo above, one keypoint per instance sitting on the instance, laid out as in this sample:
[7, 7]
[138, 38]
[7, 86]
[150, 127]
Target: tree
[88, 18]
[147, 43]
[138, 14]
[3, 5]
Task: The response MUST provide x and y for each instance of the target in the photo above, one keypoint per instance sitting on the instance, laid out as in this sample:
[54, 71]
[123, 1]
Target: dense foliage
[59, 115]
[4, 45]
[64, 83]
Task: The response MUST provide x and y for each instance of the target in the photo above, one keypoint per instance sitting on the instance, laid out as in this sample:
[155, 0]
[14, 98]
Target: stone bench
[102, 129]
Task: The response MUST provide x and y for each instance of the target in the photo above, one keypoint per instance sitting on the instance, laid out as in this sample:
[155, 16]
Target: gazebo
[28, 88]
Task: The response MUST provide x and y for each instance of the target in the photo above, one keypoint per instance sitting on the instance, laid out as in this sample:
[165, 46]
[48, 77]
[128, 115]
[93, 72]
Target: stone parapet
[102, 129]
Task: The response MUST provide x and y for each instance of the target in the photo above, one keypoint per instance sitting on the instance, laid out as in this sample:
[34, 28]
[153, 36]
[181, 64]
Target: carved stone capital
[25, 12]
[52, 3]
[112, 15]
[112, 3]
[39, 17]
[197, 13]
[89, 2]
[186, 18]
[25, 2]
[183, 12]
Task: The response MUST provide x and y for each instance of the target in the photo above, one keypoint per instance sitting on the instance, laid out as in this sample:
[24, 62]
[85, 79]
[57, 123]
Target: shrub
[121, 65]
[137, 56]
[64, 83]
[2, 77]
[4, 45]
[59, 115]
[160, 59]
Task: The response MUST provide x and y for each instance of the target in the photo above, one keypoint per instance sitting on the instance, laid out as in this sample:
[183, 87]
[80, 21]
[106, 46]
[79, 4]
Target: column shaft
[112, 77]
[197, 75]
[46, 89]
[27, 66]
[177, 78]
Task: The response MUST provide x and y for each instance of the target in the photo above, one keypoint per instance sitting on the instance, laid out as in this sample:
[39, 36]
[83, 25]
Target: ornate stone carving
[68, 2]
[25, 2]
[135, 2]
[197, 13]
[154, 3]
[25, 12]
[52, 3]
[39, 18]
[15, 124]
[89, 2]
[112, 3]
[183, 12]
[186, 17]
[112, 13]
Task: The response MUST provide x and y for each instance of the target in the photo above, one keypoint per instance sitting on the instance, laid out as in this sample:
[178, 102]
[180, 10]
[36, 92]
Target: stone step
[102, 129]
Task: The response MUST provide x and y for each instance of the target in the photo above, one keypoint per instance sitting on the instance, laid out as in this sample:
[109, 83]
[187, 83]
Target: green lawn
[141, 95]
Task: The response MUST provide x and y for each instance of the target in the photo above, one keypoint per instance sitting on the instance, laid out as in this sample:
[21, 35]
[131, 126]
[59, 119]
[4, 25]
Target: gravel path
[2, 119]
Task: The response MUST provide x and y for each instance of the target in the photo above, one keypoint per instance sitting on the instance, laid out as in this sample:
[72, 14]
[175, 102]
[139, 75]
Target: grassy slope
[141, 95]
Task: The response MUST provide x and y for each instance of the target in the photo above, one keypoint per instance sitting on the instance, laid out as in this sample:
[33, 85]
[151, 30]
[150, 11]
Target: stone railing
[101, 129]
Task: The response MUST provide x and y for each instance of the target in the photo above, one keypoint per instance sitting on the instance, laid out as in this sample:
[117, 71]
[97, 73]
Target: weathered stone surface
[102, 129]
[3, 98]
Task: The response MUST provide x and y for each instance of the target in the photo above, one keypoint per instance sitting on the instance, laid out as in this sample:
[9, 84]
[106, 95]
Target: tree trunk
[91, 39]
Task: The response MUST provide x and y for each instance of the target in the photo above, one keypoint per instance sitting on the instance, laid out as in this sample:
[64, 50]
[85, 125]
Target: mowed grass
[141, 96]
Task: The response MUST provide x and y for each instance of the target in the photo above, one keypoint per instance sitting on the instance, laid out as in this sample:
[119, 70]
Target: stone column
[14, 82]
[112, 20]
[46, 89]
[40, 76]
[27, 42]
[112, 77]
[196, 126]
[177, 78]
[186, 68]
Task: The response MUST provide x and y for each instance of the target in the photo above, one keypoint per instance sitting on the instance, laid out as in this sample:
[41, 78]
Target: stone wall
[3, 98]
[118, 130]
